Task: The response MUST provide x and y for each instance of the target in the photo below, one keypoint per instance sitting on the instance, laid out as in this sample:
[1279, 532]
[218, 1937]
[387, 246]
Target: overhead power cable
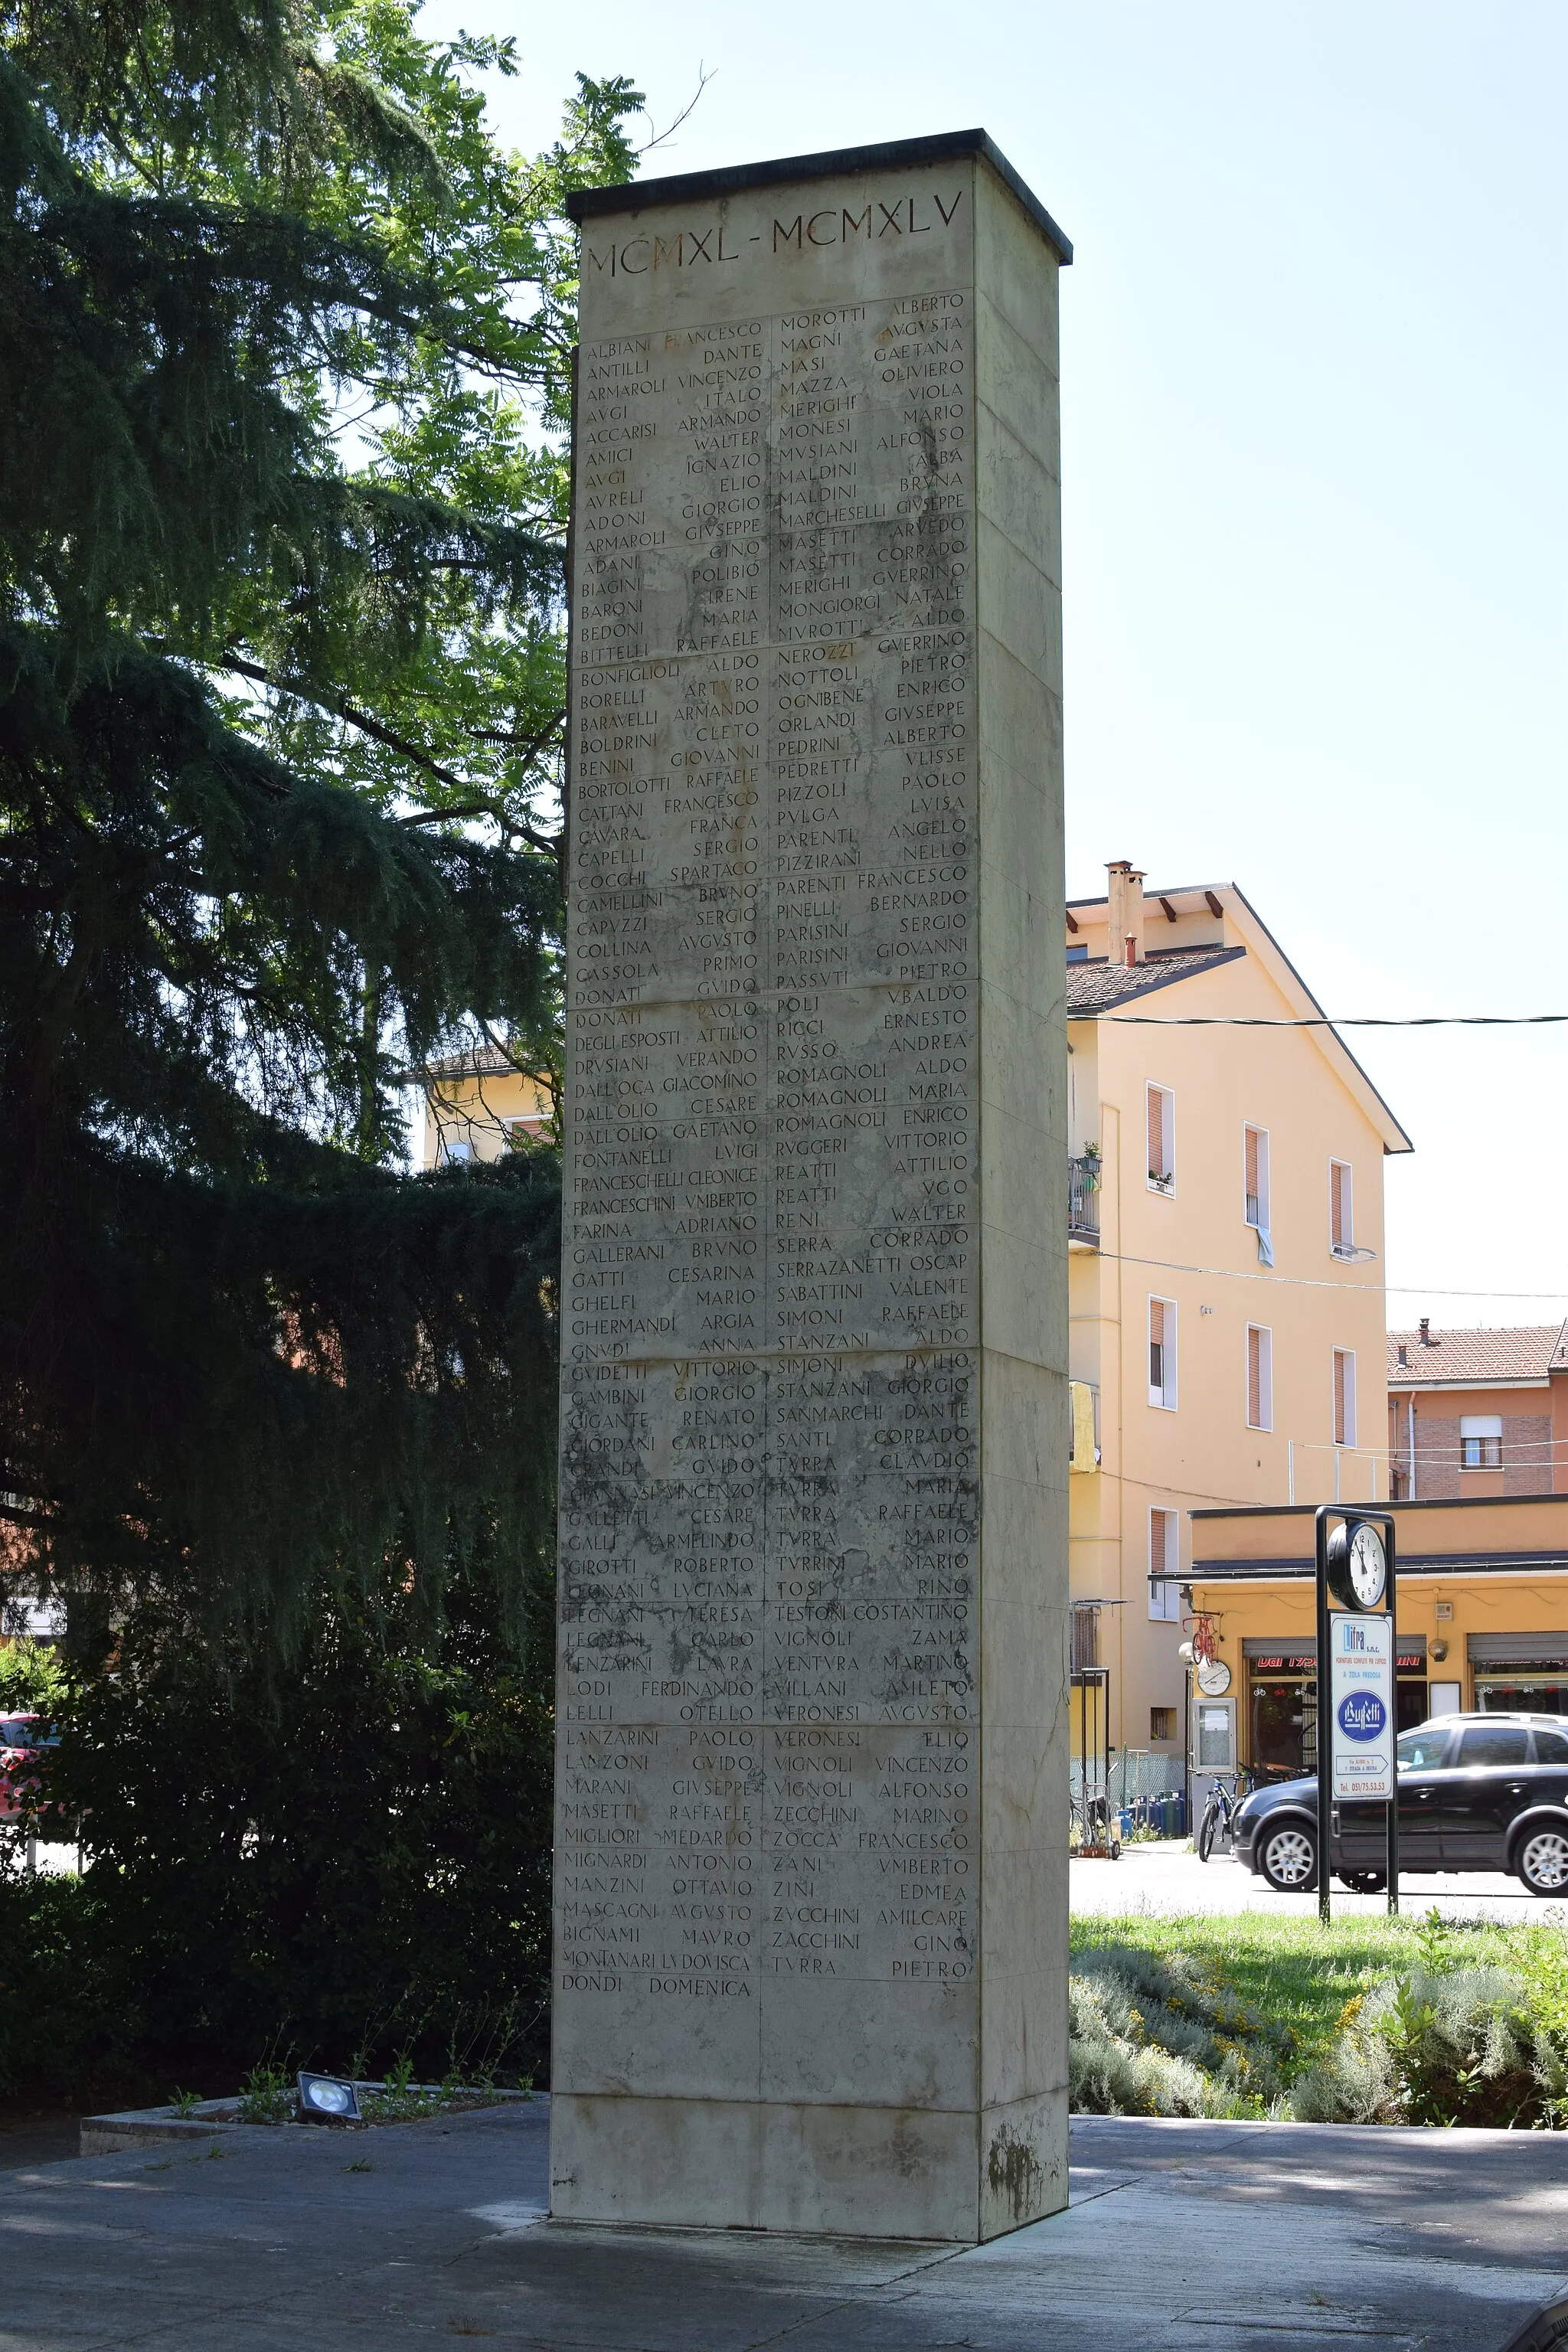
[1317, 1282]
[1340, 1021]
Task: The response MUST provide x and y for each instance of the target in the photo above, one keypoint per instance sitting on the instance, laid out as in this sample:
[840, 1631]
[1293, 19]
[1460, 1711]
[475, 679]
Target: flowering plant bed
[271, 2098]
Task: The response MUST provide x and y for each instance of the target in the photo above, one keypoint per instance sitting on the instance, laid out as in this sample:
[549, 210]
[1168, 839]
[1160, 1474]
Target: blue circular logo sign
[1362, 1715]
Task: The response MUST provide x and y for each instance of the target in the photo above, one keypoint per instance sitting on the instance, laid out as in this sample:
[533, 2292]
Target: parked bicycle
[1225, 1796]
[1219, 1816]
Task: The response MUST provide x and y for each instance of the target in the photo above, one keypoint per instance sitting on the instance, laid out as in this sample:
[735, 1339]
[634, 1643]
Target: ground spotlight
[327, 2099]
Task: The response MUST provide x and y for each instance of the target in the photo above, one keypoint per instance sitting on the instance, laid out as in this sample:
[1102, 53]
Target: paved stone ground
[1224, 2236]
[34, 2132]
[1168, 1878]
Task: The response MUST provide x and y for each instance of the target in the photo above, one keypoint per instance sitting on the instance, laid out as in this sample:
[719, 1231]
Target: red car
[21, 1737]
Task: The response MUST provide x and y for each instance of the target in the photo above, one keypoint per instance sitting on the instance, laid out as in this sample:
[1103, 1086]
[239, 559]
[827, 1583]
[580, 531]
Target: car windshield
[17, 1731]
[1422, 1751]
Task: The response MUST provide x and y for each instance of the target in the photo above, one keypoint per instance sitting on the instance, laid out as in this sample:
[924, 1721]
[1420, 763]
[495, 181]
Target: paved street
[1231, 2237]
[1169, 1879]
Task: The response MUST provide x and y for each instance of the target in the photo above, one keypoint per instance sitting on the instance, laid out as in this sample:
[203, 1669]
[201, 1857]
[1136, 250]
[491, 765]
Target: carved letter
[889, 221]
[634, 268]
[946, 216]
[854, 222]
[811, 229]
[700, 245]
[791, 236]
[667, 250]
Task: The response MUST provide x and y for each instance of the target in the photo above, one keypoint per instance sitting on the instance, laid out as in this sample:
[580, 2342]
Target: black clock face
[1358, 1566]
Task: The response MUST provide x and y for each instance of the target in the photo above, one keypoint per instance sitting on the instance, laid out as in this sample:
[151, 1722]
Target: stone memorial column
[811, 1812]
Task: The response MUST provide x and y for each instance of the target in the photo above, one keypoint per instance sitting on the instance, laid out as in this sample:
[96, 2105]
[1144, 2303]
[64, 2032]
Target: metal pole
[1325, 1742]
[1387, 1519]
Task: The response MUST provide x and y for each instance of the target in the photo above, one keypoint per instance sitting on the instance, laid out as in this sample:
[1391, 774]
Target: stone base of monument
[844, 2171]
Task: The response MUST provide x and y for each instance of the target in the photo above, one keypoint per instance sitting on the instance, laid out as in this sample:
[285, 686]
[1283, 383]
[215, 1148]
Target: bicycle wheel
[1207, 1830]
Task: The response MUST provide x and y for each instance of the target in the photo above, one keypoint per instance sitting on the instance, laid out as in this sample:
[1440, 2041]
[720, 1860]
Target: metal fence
[1135, 1783]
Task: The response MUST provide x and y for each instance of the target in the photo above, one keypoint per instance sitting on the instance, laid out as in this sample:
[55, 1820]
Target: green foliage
[32, 1678]
[268, 2095]
[1455, 2046]
[63, 2027]
[347, 1870]
[1167, 2036]
[1366, 2021]
[282, 509]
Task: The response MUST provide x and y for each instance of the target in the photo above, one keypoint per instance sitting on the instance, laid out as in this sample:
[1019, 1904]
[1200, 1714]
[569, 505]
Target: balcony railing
[1083, 1200]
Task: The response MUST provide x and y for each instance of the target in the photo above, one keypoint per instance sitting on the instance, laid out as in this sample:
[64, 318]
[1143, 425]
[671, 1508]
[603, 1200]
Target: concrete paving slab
[1228, 2237]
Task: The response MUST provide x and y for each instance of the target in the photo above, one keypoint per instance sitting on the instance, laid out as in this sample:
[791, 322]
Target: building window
[1255, 1144]
[1259, 1377]
[1083, 1448]
[1255, 1189]
[1079, 954]
[1165, 1566]
[1480, 1441]
[1161, 1138]
[1341, 1208]
[1162, 1723]
[1344, 1396]
[1163, 1353]
[1085, 1636]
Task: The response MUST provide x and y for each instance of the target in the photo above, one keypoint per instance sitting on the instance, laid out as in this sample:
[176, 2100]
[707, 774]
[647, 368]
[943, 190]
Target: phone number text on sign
[1360, 1697]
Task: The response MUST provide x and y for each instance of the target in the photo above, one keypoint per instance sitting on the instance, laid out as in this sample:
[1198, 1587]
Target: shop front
[1279, 1726]
[1483, 1619]
[1527, 1672]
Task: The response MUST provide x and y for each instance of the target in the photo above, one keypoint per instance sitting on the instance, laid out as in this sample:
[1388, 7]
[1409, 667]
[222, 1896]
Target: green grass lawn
[1301, 1976]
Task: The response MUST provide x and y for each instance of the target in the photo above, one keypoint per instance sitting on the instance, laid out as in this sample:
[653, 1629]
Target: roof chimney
[1425, 1330]
[1124, 893]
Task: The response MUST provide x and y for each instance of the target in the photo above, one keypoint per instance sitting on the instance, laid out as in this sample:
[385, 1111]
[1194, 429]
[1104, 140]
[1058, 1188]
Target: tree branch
[349, 712]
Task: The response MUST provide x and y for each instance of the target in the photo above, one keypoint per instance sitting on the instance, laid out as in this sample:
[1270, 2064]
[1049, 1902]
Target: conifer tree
[284, 340]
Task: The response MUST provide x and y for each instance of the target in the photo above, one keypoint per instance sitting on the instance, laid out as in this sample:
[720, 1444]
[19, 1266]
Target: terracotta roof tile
[1099, 987]
[479, 1062]
[1525, 1352]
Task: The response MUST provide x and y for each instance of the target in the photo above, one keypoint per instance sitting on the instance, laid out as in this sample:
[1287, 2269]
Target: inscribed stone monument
[810, 1964]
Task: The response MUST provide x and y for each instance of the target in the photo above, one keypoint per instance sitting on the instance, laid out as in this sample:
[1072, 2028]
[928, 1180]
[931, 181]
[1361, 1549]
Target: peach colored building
[1474, 1413]
[1225, 1275]
[477, 1106]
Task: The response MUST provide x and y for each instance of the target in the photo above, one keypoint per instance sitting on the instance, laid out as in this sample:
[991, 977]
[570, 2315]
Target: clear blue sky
[1315, 478]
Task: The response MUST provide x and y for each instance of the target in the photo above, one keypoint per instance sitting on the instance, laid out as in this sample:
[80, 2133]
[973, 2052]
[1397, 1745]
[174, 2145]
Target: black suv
[1476, 1792]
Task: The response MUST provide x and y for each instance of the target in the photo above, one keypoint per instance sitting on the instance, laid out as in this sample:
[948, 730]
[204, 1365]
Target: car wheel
[1364, 1882]
[1542, 1861]
[1288, 1858]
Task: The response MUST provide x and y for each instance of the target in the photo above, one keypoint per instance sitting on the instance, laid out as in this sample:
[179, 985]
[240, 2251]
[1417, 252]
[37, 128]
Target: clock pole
[1325, 1734]
[1335, 1566]
[1393, 1801]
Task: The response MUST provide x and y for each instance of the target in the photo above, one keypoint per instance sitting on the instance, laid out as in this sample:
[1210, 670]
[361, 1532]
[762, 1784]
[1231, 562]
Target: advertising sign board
[1361, 1712]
